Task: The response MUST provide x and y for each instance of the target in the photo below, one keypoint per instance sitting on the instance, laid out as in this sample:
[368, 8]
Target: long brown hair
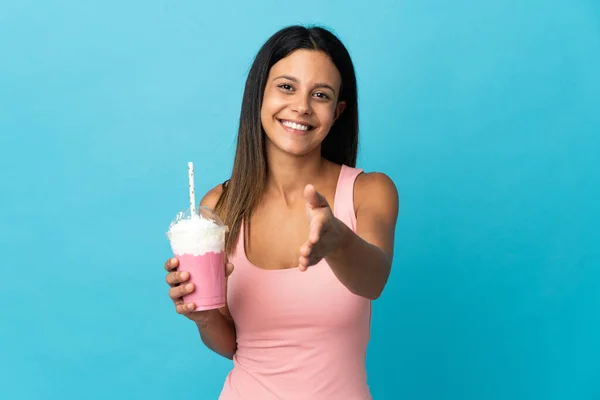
[243, 191]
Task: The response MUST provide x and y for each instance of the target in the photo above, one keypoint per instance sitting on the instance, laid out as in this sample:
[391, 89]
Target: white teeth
[294, 125]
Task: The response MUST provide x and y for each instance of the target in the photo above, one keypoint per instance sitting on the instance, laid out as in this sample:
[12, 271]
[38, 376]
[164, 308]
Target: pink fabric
[300, 335]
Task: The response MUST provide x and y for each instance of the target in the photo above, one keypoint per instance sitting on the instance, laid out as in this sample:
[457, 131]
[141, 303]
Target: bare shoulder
[376, 190]
[211, 198]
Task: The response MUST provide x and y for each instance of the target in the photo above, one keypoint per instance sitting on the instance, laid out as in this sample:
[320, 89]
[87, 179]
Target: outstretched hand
[324, 234]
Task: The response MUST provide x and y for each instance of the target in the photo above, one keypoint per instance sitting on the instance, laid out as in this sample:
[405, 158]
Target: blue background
[485, 114]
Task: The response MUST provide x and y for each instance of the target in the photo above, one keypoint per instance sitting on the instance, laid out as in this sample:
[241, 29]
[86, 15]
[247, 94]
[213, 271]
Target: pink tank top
[300, 335]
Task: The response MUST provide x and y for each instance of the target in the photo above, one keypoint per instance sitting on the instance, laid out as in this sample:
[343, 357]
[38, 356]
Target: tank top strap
[343, 202]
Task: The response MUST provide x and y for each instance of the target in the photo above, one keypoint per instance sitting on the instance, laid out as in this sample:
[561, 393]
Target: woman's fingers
[176, 293]
[307, 261]
[171, 264]
[306, 249]
[185, 308]
[317, 227]
[177, 277]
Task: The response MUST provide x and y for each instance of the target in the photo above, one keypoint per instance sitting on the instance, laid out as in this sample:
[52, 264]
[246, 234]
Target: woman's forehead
[307, 66]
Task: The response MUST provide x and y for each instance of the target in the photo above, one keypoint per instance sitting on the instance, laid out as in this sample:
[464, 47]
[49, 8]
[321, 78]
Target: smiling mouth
[296, 126]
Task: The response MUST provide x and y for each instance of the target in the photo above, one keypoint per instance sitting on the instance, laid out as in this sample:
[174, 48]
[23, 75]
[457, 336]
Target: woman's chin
[293, 150]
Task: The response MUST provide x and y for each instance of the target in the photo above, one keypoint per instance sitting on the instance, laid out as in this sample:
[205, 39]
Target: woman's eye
[322, 95]
[285, 86]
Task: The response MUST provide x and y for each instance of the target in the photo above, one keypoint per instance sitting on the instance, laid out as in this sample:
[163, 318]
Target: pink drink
[207, 273]
[198, 242]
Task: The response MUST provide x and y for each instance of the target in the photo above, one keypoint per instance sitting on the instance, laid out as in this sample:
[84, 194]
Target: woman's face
[300, 102]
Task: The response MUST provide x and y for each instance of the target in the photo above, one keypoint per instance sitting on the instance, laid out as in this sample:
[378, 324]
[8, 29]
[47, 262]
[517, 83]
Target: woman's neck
[287, 175]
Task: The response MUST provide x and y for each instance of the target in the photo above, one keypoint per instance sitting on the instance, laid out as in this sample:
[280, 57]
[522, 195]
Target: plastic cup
[198, 241]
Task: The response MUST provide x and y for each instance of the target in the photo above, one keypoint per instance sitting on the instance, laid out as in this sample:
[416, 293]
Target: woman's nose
[302, 105]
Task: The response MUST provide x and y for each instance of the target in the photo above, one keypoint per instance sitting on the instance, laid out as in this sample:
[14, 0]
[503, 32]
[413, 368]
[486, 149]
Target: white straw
[191, 183]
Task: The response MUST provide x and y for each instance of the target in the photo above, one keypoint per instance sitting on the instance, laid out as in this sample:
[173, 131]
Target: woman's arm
[218, 333]
[361, 261]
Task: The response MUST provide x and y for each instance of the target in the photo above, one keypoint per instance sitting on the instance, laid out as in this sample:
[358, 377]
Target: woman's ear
[339, 109]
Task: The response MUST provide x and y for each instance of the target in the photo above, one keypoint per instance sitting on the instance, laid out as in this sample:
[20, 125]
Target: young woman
[311, 236]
